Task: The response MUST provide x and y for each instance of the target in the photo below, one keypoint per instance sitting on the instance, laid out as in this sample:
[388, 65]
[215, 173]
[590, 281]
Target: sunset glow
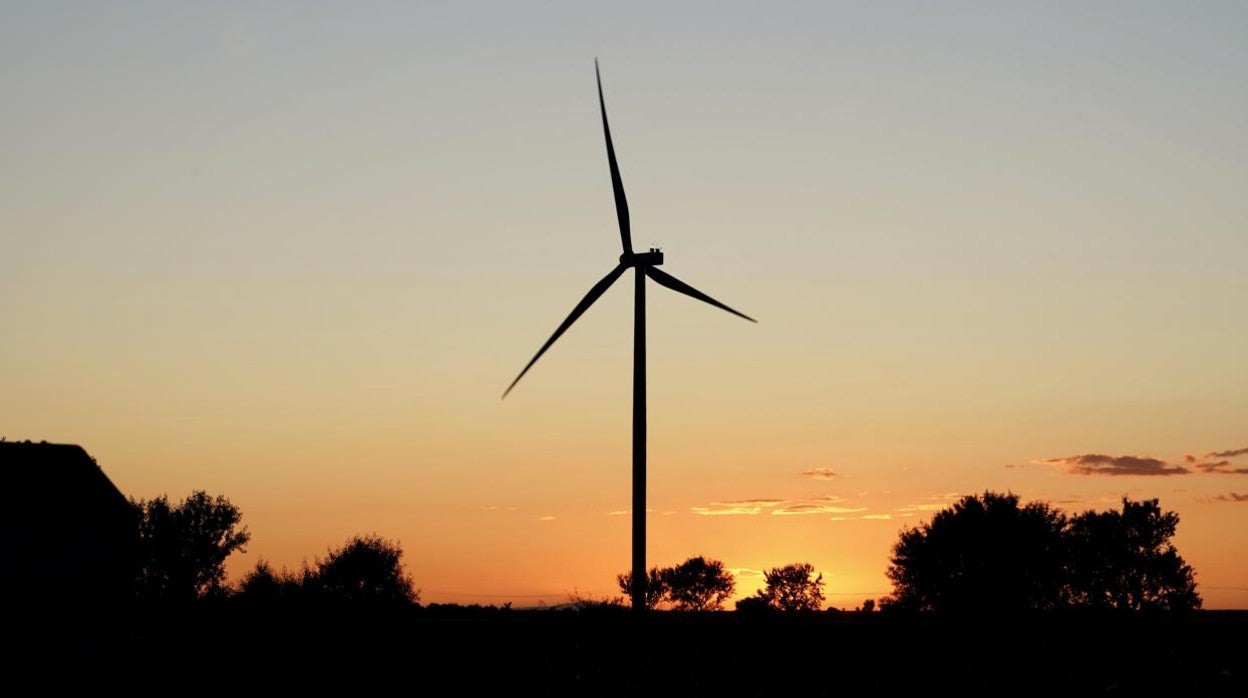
[293, 254]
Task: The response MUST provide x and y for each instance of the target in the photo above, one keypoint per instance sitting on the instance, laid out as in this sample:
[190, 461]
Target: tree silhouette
[183, 547]
[985, 553]
[365, 568]
[792, 588]
[1124, 560]
[698, 584]
[656, 587]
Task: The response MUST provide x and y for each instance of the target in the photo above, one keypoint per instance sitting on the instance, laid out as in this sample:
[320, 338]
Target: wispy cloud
[737, 507]
[934, 502]
[864, 517]
[822, 504]
[820, 474]
[799, 509]
[1101, 464]
[927, 506]
[1218, 462]
[1227, 454]
[545, 518]
[1231, 497]
[1220, 467]
[745, 572]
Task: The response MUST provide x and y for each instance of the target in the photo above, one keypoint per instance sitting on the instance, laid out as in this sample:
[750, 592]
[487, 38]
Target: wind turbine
[645, 264]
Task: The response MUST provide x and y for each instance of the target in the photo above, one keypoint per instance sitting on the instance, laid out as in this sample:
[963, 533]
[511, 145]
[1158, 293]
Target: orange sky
[294, 254]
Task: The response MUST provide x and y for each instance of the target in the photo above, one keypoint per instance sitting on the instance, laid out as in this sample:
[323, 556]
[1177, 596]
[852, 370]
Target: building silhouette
[67, 534]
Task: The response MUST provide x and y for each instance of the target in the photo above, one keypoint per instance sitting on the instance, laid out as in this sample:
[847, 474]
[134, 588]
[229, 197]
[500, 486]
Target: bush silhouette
[263, 584]
[365, 568]
[656, 587]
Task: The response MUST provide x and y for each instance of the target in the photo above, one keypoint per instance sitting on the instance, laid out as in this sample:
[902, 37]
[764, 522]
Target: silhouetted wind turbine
[646, 264]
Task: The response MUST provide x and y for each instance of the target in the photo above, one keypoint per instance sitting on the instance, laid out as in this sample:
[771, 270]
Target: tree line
[984, 553]
[183, 548]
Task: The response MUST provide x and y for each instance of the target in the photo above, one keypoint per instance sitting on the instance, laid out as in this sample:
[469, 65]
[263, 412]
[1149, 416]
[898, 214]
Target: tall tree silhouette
[183, 546]
[1124, 560]
[985, 553]
[793, 587]
[698, 584]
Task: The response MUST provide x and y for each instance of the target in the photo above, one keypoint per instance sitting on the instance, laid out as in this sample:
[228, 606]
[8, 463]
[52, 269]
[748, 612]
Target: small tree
[656, 588]
[698, 584]
[183, 547]
[366, 568]
[1124, 560]
[792, 588]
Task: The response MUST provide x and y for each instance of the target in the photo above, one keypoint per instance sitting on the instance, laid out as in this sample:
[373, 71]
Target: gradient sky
[293, 252]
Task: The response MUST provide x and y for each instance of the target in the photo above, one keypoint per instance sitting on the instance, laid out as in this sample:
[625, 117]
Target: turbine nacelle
[653, 258]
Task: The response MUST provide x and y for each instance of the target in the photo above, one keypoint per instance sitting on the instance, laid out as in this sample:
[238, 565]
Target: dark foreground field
[601, 653]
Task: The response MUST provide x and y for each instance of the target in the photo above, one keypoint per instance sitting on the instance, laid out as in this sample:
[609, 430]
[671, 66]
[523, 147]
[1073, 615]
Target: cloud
[744, 572]
[909, 508]
[1227, 454]
[823, 504]
[545, 518]
[820, 474]
[737, 507]
[1211, 463]
[864, 517]
[1231, 497]
[1101, 464]
[799, 509]
[1221, 467]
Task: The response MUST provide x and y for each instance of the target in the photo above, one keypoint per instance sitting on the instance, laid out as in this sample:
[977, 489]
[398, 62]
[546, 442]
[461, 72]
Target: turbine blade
[617, 186]
[597, 290]
[677, 285]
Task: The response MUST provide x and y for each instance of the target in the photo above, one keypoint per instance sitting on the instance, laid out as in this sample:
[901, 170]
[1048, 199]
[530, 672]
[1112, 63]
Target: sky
[293, 252]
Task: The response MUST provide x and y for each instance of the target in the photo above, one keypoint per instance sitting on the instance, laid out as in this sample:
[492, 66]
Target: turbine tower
[644, 264]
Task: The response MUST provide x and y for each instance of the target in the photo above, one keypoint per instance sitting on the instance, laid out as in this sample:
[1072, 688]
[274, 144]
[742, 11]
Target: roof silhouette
[66, 531]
